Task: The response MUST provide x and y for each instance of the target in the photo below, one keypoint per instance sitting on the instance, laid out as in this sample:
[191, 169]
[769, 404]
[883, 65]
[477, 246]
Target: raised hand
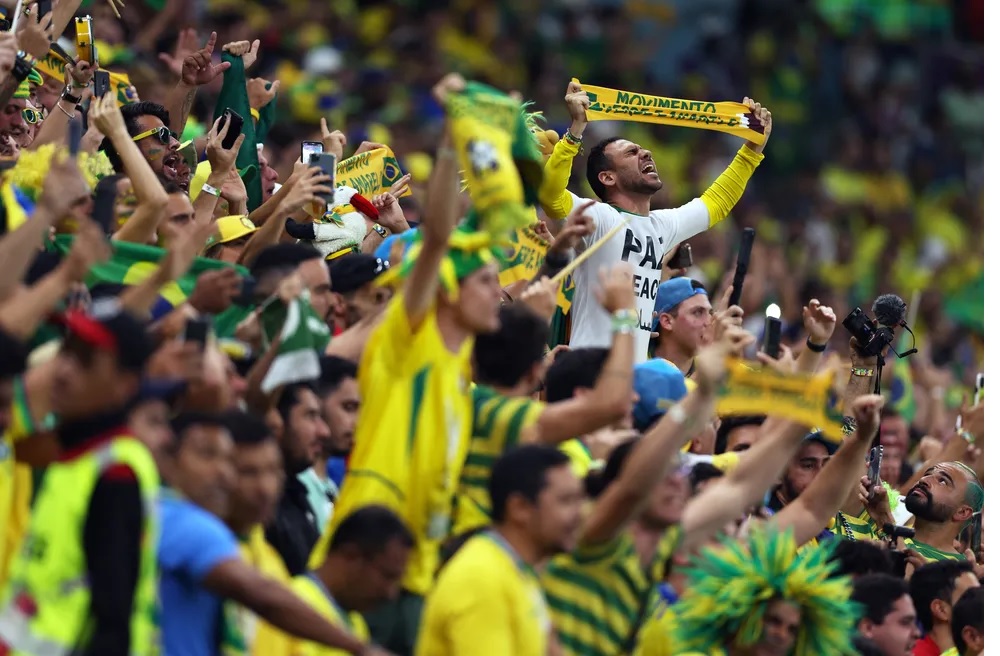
[90, 247]
[390, 214]
[762, 114]
[867, 411]
[222, 159]
[187, 44]
[401, 186]
[666, 273]
[541, 297]
[198, 68]
[577, 103]
[245, 50]
[105, 115]
[615, 291]
[33, 36]
[305, 189]
[333, 141]
[785, 363]
[578, 225]
[819, 321]
[450, 83]
[260, 94]
[712, 368]
[81, 74]
[63, 184]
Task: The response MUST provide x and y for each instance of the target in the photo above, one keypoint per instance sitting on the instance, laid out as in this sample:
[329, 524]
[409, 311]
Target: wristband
[967, 436]
[381, 231]
[850, 425]
[212, 191]
[69, 97]
[623, 321]
[572, 138]
[815, 348]
[255, 114]
[862, 372]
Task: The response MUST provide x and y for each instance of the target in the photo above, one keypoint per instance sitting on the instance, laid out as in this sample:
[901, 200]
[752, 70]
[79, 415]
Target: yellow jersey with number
[412, 436]
[486, 601]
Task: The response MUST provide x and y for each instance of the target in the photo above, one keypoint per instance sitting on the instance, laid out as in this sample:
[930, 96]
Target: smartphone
[235, 128]
[772, 337]
[196, 330]
[327, 162]
[102, 83]
[742, 264]
[682, 258]
[74, 135]
[247, 292]
[105, 196]
[85, 49]
[874, 466]
[44, 8]
[310, 147]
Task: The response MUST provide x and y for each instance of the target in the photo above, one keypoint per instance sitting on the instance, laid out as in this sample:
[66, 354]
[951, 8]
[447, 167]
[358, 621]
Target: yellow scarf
[730, 117]
[808, 399]
[370, 173]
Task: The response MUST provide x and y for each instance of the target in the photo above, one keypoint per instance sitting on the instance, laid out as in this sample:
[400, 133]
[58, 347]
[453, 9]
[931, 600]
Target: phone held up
[196, 330]
[309, 148]
[235, 128]
[102, 83]
[328, 163]
[682, 258]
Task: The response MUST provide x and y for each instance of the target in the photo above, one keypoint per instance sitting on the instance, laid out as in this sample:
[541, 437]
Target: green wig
[730, 586]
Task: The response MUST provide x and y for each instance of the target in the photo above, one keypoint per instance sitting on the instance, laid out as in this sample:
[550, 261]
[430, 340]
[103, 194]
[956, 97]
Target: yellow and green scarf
[729, 117]
[499, 155]
[371, 173]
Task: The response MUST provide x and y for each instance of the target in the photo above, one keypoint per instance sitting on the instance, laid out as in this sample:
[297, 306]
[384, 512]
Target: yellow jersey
[412, 436]
[261, 638]
[497, 424]
[486, 601]
[597, 593]
[319, 599]
[15, 479]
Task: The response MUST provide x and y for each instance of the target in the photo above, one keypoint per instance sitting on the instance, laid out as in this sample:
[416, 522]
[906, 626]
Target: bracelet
[209, 189]
[68, 115]
[862, 372]
[380, 230]
[255, 114]
[850, 425]
[572, 138]
[623, 321]
[815, 348]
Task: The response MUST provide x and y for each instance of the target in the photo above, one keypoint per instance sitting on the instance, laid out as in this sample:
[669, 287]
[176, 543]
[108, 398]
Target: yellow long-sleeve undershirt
[720, 198]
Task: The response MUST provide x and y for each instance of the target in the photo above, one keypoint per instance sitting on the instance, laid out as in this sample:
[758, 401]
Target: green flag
[131, 264]
[302, 336]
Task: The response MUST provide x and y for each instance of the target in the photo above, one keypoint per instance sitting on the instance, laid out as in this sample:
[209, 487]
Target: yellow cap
[229, 228]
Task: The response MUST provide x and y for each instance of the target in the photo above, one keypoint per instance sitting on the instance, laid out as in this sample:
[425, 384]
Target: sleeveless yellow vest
[46, 602]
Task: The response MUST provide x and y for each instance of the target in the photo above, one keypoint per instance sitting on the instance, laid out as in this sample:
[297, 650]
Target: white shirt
[642, 242]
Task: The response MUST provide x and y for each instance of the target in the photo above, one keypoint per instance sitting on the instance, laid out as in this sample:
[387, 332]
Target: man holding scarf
[624, 177]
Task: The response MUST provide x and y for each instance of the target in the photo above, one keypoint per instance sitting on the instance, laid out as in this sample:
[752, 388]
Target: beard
[640, 185]
[923, 507]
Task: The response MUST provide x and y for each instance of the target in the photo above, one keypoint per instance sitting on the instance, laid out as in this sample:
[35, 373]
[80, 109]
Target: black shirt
[293, 533]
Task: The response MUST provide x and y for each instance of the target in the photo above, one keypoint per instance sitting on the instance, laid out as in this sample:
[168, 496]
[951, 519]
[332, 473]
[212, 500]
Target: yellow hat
[230, 228]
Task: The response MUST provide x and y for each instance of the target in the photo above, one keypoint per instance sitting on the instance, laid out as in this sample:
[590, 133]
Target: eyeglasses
[32, 116]
[163, 133]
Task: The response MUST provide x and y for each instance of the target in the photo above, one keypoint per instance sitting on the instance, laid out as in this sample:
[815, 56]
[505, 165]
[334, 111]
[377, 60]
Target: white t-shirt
[642, 242]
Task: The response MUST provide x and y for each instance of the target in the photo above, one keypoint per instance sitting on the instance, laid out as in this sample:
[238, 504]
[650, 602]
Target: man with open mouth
[147, 123]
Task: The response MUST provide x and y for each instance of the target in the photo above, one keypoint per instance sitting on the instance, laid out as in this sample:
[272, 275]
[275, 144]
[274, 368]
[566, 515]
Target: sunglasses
[32, 116]
[163, 133]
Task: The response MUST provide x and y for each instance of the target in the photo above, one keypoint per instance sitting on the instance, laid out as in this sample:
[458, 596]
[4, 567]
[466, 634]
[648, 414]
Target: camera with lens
[897, 556]
[873, 336]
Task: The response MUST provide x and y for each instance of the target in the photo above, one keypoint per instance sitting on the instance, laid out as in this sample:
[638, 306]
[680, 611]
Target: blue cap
[385, 248]
[674, 292]
[167, 390]
[659, 385]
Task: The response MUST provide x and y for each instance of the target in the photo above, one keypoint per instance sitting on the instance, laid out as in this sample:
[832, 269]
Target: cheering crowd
[504, 377]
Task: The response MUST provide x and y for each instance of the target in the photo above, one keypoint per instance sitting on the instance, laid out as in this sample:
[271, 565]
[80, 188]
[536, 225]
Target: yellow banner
[371, 173]
[525, 261]
[729, 117]
[811, 400]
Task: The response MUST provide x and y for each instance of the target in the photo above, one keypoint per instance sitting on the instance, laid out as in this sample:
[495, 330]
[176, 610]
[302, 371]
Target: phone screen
[874, 466]
[196, 330]
[102, 82]
[235, 128]
[309, 148]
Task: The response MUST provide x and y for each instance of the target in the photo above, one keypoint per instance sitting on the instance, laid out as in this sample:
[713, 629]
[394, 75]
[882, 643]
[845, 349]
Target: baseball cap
[659, 385]
[674, 292]
[352, 271]
[816, 436]
[108, 327]
[161, 389]
[230, 228]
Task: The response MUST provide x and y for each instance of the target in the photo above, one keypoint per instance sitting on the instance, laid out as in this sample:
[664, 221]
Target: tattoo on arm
[186, 108]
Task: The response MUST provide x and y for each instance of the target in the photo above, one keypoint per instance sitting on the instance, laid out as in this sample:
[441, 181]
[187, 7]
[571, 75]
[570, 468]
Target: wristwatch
[68, 96]
[381, 231]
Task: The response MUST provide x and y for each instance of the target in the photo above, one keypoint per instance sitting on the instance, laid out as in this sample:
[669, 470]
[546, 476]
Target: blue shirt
[192, 543]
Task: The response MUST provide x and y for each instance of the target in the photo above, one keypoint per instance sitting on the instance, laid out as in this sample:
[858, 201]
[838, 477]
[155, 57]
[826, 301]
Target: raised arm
[440, 217]
[555, 199]
[811, 511]
[658, 448]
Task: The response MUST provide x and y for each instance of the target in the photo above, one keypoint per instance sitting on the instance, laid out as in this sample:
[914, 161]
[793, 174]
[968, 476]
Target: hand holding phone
[308, 148]
[681, 259]
[235, 128]
[327, 162]
[196, 330]
[874, 466]
[102, 83]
